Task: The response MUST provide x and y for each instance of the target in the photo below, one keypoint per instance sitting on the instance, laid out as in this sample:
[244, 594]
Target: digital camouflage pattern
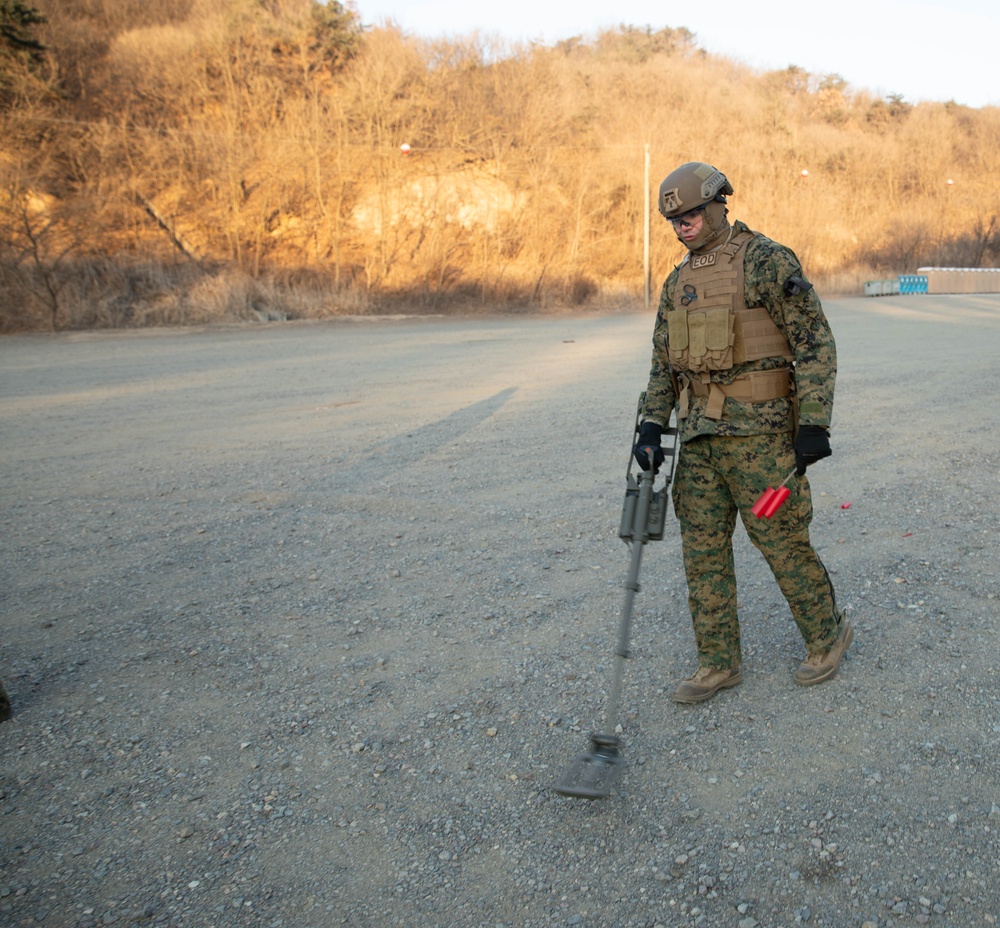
[715, 478]
[768, 265]
[725, 464]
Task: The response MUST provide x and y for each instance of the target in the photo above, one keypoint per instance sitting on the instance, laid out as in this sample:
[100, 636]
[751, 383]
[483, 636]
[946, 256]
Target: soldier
[743, 351]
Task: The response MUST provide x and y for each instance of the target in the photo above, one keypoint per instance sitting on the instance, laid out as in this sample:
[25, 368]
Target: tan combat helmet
[691, 186]
[697, 185]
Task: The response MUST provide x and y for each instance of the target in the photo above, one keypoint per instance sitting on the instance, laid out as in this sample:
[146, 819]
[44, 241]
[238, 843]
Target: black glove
[649, 443]
[812, 444]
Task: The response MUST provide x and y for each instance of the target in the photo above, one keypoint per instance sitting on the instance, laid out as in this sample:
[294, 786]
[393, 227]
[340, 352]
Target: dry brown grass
[214, 159]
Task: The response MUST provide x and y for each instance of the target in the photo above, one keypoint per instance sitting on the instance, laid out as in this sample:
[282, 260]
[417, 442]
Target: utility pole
[645, 235]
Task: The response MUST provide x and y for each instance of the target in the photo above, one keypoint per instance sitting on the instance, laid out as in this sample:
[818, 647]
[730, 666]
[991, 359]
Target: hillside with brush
[195, 161]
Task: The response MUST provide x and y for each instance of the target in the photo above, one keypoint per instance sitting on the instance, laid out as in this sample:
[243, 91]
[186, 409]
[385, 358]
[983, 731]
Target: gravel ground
[301, 622]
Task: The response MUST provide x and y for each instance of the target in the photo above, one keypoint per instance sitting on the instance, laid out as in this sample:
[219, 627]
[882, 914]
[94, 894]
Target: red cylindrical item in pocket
[760, 507]
[774, 503]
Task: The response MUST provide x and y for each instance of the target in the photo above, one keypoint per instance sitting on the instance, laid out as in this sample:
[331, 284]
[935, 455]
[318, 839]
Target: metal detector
[593, 774]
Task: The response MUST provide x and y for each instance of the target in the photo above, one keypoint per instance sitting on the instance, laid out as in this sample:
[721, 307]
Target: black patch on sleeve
[796, 285]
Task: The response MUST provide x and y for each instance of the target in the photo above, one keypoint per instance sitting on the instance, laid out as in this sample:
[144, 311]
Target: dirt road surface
[300, 622]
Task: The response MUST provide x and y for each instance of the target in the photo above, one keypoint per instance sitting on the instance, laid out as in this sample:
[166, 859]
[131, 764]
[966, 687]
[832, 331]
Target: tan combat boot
[819, 667]
[706, 682]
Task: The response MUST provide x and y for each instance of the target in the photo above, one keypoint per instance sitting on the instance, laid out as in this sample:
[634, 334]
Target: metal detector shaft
[639, 537]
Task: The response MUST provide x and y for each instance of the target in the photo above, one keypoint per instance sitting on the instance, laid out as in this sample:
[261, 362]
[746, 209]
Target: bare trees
[21, 53]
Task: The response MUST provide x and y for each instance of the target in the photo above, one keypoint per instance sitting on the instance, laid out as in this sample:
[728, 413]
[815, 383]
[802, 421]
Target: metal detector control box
[642, 522]
[656, 519]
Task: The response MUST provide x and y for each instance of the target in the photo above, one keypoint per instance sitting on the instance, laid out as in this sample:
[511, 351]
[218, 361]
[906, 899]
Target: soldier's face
[688, 227]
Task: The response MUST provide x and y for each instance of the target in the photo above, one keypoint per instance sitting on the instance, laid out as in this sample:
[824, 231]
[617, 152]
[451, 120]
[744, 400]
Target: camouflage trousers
[718, 476]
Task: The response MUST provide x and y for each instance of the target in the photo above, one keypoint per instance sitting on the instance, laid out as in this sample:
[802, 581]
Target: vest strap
[753, 387]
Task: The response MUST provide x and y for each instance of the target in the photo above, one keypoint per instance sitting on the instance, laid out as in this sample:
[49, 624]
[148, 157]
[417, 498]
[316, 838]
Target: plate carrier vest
[712, 329]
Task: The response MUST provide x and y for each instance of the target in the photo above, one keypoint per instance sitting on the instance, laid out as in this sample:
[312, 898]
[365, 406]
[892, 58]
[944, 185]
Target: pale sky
[919, 49]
